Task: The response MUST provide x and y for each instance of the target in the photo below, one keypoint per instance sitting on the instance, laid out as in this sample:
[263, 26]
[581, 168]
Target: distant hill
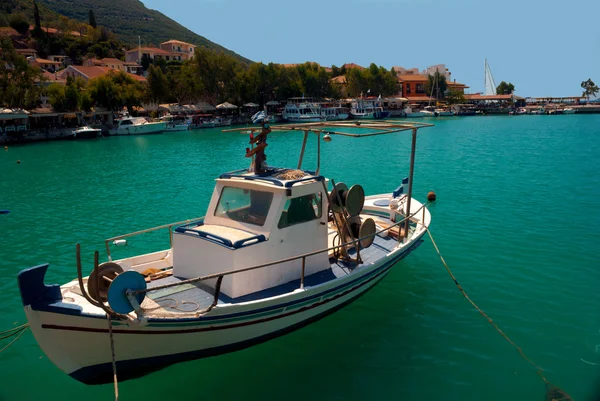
[129, 19]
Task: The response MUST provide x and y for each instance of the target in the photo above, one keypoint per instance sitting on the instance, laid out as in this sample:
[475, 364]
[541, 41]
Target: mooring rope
[112, 349]
[16, 332]
[554, 393]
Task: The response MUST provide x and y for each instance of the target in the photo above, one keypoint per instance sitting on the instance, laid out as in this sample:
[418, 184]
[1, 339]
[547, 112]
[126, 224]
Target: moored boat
[569, 110]
[85, 133]
[365, 109]
[137, 126]
[175, 123]
[301, 110]
[334, 113]
[276, 251]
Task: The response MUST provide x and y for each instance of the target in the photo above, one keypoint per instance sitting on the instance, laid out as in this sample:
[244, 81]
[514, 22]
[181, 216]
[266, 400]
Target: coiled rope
[553, 393]
[16, 332]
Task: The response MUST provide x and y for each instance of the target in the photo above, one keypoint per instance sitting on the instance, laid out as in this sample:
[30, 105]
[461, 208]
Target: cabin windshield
[300, 210]
[244, 205]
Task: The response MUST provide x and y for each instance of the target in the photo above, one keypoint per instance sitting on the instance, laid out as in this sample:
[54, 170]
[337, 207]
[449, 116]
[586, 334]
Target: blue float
[117, 292]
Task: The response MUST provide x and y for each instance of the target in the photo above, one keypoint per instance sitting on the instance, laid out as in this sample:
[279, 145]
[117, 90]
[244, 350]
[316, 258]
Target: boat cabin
[254, 219]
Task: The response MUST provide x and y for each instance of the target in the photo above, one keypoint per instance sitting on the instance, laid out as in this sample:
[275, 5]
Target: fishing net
[290, 175]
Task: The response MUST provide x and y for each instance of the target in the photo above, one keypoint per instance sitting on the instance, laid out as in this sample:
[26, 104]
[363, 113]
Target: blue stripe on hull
[131, 369]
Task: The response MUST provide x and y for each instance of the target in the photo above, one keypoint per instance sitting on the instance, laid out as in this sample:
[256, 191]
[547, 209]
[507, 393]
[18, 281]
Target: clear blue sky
[544, 47]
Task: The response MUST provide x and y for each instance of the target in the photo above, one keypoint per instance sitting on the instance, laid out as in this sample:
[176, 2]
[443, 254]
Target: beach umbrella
[226, 106]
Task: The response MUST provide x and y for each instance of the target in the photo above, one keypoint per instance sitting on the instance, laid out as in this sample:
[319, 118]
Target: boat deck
[190, 298]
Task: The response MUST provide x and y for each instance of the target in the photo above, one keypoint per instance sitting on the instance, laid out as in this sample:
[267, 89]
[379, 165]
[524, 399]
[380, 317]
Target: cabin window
[244, 205]
[300, 210]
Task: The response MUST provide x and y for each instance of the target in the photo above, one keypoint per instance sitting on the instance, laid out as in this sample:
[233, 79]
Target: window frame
[318, 199]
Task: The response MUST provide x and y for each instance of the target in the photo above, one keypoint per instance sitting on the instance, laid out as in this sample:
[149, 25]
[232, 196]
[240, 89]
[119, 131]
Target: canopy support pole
[318, 153]
[303, 148]
[410, 183]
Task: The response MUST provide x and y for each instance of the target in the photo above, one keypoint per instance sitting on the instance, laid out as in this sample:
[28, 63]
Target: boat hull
[176, 128]
[78, 343]
[142, 129]
[304, 120]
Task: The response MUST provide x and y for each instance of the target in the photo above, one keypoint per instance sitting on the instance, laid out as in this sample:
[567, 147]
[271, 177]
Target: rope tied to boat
[16, 332]
[553, 393]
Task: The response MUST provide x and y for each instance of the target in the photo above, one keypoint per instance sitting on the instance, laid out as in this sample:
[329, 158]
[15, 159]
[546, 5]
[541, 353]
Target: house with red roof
[91, 72]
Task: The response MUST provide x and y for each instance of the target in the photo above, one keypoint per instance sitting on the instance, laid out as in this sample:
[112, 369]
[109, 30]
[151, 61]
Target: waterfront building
[172, 50]
[90, 72]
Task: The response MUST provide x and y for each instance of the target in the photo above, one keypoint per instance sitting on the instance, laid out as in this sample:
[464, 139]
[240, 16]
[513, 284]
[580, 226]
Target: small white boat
[429, 111]
[137, 126]
[334, 113]
[521, 111]
[540, 110]
[443, 112]
[409, 113]
[569, 110]
[222, 122]
[276, 251]
[367, 110]
[174, 123]
[85, 133]
[301, 110]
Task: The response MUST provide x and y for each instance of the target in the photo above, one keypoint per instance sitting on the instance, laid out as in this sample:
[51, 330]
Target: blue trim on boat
[59, 307]
[134, 368]
[217, 239]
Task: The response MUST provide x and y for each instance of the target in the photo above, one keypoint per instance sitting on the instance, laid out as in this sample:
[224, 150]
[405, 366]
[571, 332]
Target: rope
[112, 349]
[17, 333]
[553, 393]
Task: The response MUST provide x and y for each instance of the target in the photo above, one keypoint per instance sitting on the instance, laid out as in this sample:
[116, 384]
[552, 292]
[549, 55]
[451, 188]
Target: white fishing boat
[334, 113]
[128, 125]
[365, 109]
[429, 111]
[276, 251]
[301, 110]
[410, 113]
[569, 110]
[175, 123]
[85, 133]
[444, 112]
[222, 122]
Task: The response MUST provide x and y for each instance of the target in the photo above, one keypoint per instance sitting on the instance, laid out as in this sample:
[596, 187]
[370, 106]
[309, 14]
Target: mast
[489, 84]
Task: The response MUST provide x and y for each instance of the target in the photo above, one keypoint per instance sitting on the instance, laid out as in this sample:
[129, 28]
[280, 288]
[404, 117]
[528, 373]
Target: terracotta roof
[25, 51]
[419, 98]
[131, 64]
[111, 60]
[44, 61]
[352, 65]
[177, 42]
[457, 84]
[155, 50]
[477, 96]
[412, 78]
[95, 72]
[340, 79]
[50, 77]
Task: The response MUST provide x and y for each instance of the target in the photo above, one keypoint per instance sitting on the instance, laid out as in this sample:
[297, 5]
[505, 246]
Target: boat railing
[147, 230]
[219, 276]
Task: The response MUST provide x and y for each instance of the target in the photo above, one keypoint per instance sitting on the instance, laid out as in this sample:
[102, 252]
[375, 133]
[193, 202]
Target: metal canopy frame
[379, 127]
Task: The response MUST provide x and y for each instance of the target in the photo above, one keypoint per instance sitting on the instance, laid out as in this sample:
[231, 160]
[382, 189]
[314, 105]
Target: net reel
[346, 205]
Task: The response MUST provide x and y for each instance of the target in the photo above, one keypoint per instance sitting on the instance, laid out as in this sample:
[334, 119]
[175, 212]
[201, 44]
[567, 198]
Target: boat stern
[34, 292]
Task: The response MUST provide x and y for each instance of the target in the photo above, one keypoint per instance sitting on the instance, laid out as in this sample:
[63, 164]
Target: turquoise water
[517, 219]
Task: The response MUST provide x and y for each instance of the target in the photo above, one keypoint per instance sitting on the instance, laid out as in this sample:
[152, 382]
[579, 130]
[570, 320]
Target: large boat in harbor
[278, 249]
[301, 110]
[128, 125]
[334, 113]
[365, 109]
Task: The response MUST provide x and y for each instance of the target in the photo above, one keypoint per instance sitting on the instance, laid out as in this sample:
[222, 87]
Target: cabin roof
[273, 176]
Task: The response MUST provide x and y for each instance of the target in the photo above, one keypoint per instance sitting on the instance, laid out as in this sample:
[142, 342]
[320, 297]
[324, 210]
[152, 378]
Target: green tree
[116, 90]
[436, 86]
[455, 96]
[145, 61]
[185, 85]
[19, 23]
[589, 89]
[158, 84]
[19, 81]
[37, 31]
[505, 88]
[92, 19]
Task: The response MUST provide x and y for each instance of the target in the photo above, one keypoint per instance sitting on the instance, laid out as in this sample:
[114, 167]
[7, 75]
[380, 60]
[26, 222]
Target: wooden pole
[303, 148]
[410, 182]
[318, 153]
